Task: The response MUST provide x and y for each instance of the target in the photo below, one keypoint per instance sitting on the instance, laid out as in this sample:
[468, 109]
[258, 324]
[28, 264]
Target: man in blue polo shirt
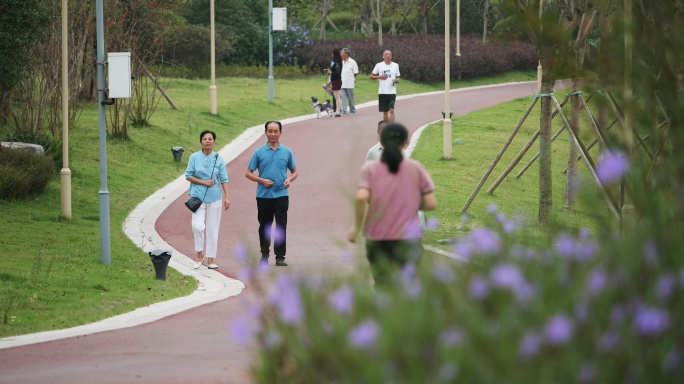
[272, 160]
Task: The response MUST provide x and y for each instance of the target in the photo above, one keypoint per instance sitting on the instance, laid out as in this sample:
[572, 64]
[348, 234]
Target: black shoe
[281, 263]
[337, 115]
[264, 260]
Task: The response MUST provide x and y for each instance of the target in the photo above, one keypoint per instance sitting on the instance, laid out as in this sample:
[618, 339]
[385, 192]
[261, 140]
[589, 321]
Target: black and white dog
[321, 107]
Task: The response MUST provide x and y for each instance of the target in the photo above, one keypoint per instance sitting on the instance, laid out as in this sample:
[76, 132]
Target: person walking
[272, 160]
[392, 190]
[208, 179]
[375, 152]
[349, 71]
[387, 72]
[335, 73]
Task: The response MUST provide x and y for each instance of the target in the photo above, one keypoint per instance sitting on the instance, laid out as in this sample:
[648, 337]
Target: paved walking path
[188, 339]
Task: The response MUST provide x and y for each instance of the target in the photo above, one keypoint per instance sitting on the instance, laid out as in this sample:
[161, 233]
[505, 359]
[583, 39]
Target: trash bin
[177, 153]
[160, 259]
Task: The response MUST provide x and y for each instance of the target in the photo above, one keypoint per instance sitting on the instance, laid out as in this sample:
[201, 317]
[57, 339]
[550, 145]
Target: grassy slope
[51, 275]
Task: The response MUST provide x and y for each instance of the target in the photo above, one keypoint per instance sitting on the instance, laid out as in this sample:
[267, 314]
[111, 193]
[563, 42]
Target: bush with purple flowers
[580, 309]
[286, 42]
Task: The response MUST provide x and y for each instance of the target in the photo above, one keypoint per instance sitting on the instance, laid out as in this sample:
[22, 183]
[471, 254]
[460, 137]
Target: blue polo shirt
[273, 165]
[202, 167]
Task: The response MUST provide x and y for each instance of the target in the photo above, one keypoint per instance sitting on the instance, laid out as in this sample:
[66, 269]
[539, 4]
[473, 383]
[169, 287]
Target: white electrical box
[119, 75]
[280, 19]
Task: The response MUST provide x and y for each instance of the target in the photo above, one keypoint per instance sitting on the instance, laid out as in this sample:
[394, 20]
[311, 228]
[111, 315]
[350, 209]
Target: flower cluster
[285, 42]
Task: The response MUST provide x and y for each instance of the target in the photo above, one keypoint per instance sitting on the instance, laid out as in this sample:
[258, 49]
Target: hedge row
[421, 58]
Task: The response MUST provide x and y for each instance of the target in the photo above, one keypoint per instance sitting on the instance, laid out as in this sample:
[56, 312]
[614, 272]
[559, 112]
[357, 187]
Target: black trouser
[387, 257]
[267, 210]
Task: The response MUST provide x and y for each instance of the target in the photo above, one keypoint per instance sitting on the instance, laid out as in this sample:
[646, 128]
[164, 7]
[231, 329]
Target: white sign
[279, 19]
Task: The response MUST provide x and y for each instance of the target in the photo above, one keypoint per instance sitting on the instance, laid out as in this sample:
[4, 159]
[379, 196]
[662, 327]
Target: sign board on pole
[279, 19]
[119, 75]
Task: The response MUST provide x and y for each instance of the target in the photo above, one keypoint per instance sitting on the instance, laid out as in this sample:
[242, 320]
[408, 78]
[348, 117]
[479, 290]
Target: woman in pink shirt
[392, 190]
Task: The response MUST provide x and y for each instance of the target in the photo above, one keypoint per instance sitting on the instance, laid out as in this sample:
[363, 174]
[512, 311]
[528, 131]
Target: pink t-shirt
[394, 199]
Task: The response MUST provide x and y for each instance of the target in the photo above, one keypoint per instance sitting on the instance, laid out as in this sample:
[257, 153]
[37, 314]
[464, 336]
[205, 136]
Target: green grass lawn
[483, 134]
[51, 275]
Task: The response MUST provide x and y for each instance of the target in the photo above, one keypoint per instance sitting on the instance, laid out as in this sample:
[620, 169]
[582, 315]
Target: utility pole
[105, 243]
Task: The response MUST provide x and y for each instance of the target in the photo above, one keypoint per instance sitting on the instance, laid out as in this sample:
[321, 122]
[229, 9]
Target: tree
[22, 24]
[545, 28]
[378, 10]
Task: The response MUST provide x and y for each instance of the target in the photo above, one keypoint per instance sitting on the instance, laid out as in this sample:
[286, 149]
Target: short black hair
[280, 126]
[213, 134]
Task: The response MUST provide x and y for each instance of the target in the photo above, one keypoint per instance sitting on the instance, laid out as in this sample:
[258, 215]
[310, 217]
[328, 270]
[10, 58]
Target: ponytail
[392, 137]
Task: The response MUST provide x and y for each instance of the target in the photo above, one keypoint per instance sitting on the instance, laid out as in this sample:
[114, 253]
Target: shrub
[422, 59]
[23, 173]
[187, 45]
[285, 42]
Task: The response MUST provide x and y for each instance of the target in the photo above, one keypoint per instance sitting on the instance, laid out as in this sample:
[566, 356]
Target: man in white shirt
[375, 151]
[349, 71]
[387, 72]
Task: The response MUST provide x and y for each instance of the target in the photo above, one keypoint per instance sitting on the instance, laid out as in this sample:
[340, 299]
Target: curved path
[195, 345]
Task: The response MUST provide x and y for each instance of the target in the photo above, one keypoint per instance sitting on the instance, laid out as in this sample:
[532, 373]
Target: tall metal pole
[446, 129]
[105, 246]
[213, 104]
[270, 51]
[65, 172]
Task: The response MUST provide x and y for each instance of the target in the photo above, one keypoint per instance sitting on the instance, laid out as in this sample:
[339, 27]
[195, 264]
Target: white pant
[212, 213]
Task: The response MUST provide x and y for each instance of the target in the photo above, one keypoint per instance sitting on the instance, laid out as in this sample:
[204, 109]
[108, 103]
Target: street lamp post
[446, 129]
[213, 108]
[65, 172]
[270, 51]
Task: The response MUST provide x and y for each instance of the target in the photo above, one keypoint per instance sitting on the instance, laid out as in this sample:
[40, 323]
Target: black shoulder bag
[194, 203]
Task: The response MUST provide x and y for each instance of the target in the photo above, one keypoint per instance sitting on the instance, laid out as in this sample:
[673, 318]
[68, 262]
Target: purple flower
[245, 274]
[463, 249]
[451, 337]
[478, 288]
[509, 226]
[608, 341]
[666, 285]
[565, 245]
[525, 292]
[586, 250]
[650, 251]
[587, 373]
[672, 361]
[597, 281]
[559, 329]
[529, 345]
[431, 224]
[342, 299]
[442, 272]
[492, 208]
[506, 275]
[412, 230]
[242, 329]
[612, 167]
[364, 335]
[286, 297]
[617, 315]
[485, 240]
[241, 252]
[581, 312]
[651, 321]
[276, 234]
[448, 372]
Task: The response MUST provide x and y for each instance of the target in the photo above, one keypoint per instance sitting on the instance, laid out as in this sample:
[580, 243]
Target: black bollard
[160, 259]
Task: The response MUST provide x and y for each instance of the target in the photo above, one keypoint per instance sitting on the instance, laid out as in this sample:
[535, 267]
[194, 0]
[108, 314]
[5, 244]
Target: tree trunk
[486, 19]
[545, 134]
